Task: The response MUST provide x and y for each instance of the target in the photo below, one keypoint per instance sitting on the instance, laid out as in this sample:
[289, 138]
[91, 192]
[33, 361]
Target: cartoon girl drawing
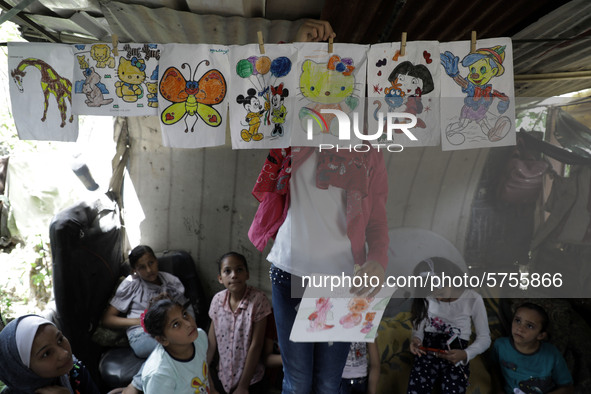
[278, 110]
[409, 82]
[483, 65]
[255, 110]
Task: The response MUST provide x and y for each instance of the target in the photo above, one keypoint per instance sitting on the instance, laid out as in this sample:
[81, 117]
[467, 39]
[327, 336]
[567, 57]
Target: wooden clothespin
[473, 41]
[330, 41]
[403, 44]
[115, 42]
[261, 43]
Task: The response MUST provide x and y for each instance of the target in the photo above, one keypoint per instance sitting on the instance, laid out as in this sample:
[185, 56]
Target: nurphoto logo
[393, 122]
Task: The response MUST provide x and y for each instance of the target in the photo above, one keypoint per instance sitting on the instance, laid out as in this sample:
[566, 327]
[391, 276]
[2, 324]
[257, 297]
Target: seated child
[178, 364]
[36, 358]
[237, 331]
[442, 326]
[362, 370]
[134, 294]
[528, 363]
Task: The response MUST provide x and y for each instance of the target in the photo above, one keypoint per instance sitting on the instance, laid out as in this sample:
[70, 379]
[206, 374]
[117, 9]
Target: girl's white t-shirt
[459, 315]
[313, 239]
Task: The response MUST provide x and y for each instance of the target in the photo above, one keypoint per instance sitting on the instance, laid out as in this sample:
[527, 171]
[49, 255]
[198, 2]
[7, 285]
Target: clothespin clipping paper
[115, 41]
[261, 43]
[403, 44]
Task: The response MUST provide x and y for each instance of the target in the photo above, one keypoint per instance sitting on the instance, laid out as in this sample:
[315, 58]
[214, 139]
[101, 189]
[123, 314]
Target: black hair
[233, 254]
[541, 311]
[429, 267]
[284, 93]
[137, 252]
[155, 315]
[414, 70]
[250, 94]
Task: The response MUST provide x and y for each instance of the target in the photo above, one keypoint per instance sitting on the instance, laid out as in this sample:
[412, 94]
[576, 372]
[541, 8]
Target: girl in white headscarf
[35, 357]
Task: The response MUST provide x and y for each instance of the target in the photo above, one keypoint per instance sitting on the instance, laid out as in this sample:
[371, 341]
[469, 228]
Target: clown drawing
[483, 65]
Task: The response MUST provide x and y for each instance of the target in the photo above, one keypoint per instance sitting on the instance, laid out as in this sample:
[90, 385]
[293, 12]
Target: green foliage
[532, 119]
[6, 300]
[40, 275]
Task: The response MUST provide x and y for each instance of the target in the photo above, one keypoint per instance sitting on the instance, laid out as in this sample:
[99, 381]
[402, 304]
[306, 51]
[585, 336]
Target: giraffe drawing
[51, 83]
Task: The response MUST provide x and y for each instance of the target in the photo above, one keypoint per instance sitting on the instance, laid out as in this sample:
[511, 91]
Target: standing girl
[326, 212]
[237, 331]
[178, 364]
[441, 332]
[36, 358]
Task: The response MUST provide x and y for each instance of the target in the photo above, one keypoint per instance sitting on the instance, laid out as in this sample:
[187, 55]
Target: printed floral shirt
[233, 331]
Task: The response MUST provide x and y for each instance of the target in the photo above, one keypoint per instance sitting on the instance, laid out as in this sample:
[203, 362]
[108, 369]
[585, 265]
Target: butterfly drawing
[192, 98]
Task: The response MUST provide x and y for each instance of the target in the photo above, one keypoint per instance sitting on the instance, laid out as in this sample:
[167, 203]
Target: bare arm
[211, 343]
[374, 368]
[253, 356]
[112, 319]
[313, 30]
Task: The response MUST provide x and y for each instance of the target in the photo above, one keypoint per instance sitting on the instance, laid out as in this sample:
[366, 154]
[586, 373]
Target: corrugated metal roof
[384, 20]
[566, 47]
[166, 25]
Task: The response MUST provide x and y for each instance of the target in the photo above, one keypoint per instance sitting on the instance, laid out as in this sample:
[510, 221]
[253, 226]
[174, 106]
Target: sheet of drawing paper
[406, 84]
[192, 101]
[477, 95]
[116, 83]
[340, 317]
[261, 97]
[41, 91]
[332, 82]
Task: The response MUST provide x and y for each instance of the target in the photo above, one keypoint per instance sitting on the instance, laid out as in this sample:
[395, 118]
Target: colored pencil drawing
[131, 74]
[92, 73]
[125, 84]
[92, 88]
[102, 55]
[51, 84]
[482, 66]
[264, 99]
[408, 83]
[255, 110]
[319, 317]
[357, 306]
[337, 316]
[328, 85]
[278, 110]
[192, 98]
[152, 92]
